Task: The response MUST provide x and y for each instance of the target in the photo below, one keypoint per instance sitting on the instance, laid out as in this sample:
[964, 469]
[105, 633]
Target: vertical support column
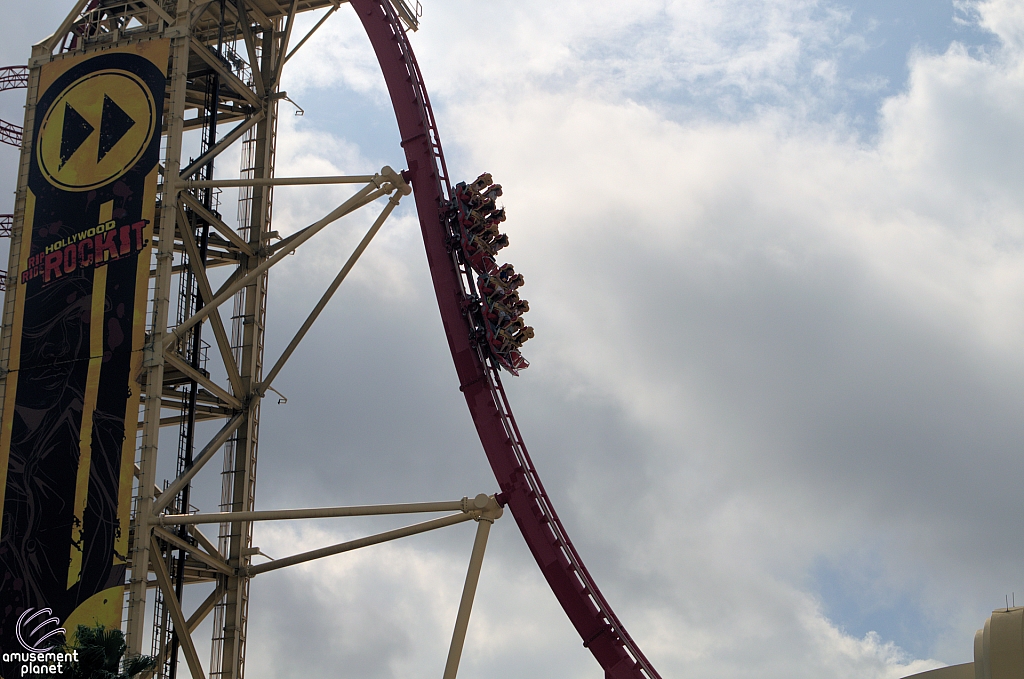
[243, 481]
[153, 360]
[476, 560]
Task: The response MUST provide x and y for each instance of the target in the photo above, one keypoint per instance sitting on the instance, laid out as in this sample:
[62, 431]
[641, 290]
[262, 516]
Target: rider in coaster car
[483, 236]
[485, 283]
[481, 183]
[497, 314]
[480, 244]
[498, 290]
[485, 229]
[520, 337]
[499, 342]
[470, 221]
[506, 339]
[495, 216]
[509, 276]
[492, 289]
[474, 198]
[494, 286]
[475, 248]
[473, 224]
[499, 242]
[502, 314]
[495, 296]
[503, 342]
[476, 216]
[464, 197]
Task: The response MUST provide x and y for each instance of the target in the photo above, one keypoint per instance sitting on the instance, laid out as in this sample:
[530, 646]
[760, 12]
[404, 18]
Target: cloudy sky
[774, 252]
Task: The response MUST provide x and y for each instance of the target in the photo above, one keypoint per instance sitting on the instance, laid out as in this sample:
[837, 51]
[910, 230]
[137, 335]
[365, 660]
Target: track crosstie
[479, 378]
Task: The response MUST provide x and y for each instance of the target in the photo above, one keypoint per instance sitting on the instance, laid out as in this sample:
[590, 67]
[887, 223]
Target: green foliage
[101, 655]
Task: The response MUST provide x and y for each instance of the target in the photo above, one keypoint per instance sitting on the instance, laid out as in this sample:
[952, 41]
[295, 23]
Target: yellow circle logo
[96, 130]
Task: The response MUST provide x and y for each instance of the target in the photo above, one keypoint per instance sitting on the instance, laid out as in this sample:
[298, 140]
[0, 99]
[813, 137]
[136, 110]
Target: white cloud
[1004, 18]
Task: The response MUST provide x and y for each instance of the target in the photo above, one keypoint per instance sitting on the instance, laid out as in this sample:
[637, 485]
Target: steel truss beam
[309, 34]
[222, 145]
[215, 562]
[465, 505]
[203, 52]
[282, 51]
[51, 42]
[483, 509]
[153, 5]
[380, 185]
[280, 181]
[195, 262]
[339, 548]
[198, 462]
[250, 48]
[180, 624]
[264, 386]
[223, 229]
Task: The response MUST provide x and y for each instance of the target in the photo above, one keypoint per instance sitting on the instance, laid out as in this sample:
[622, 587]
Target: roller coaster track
[479, 378]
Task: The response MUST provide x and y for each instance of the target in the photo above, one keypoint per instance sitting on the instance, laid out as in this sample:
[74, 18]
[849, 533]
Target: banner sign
[68, 433]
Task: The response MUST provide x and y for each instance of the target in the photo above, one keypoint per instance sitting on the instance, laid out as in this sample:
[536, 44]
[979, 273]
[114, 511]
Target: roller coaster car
[473, 218]
[505, 331]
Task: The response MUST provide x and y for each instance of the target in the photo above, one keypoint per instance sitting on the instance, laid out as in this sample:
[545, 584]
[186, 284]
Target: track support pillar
[491, 511]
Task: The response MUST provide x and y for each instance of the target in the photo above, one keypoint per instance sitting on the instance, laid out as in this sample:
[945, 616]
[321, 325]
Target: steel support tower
[223, 89]
[207, 315]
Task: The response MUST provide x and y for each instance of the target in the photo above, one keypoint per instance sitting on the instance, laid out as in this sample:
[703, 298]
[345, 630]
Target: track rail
[479, 377]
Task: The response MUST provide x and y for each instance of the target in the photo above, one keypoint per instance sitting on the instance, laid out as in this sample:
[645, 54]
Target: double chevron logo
[96, 130]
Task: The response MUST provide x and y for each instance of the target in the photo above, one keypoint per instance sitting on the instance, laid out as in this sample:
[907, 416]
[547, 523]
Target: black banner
[68, 438]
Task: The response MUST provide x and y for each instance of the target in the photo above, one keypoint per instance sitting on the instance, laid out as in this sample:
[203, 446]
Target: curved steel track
[479, 378]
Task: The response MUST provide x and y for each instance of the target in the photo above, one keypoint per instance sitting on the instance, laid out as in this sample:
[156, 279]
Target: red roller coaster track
[521, 487]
